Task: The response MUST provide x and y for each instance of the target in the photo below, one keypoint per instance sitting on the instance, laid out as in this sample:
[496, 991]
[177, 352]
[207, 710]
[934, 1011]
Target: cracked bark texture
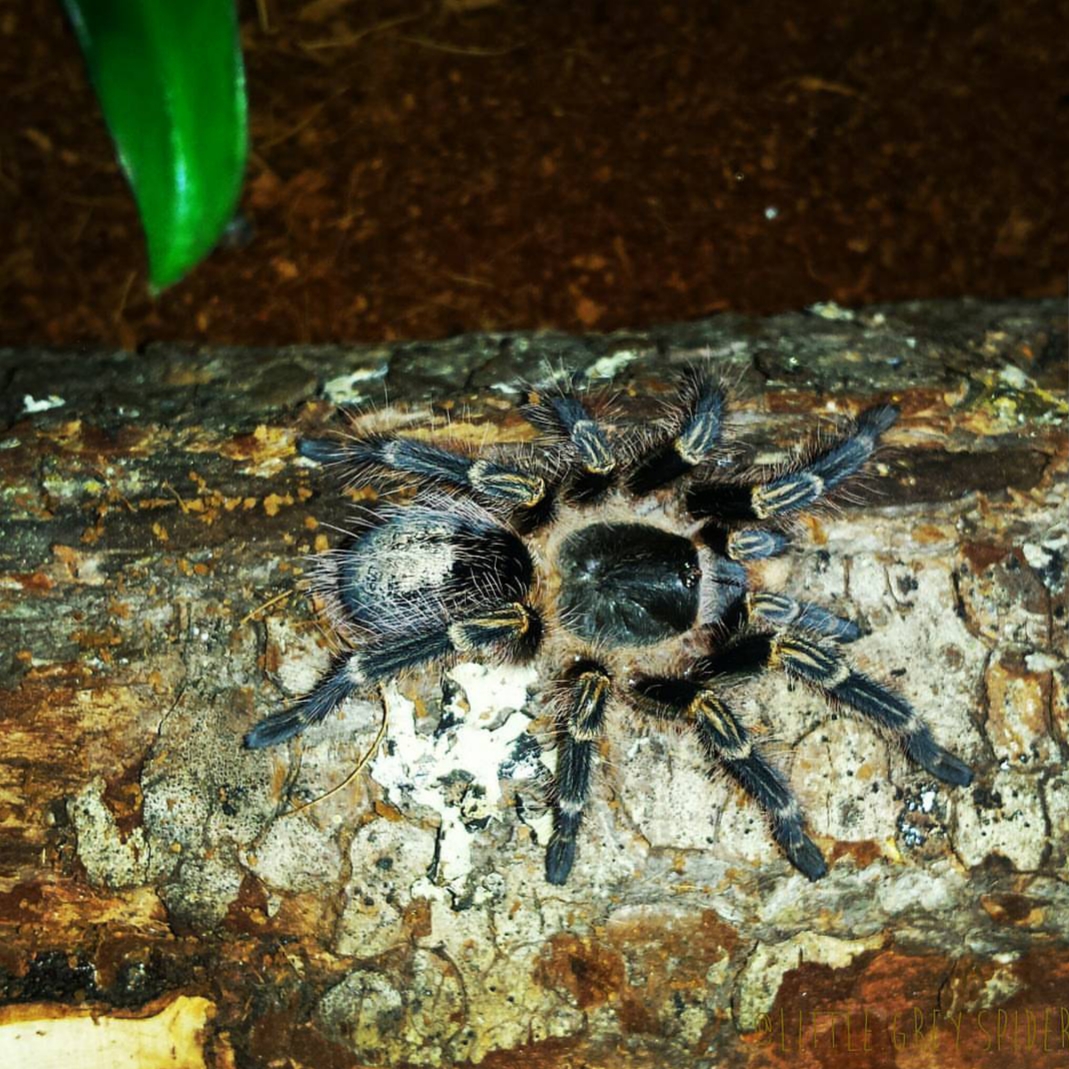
[155, 520]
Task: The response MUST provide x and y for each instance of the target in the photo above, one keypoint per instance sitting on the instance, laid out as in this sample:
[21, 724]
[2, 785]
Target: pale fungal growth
[625, 564]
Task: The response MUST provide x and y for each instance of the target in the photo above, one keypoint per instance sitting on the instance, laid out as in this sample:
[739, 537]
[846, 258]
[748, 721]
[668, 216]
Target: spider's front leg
[821, 666]
[745, 502]
[376, 455]
[513, 630]
[699, 419]
[583, 696]
[562, 415]
[728, 745]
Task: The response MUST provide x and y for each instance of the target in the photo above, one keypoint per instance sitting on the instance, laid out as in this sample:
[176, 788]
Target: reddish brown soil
[419, 169]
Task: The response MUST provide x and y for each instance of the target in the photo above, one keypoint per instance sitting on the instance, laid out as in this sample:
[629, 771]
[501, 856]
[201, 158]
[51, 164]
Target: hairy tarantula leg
[701, 407]
[825, 669]
[587, 694]
[514, 628]
[782, 611]
[800, 489]
[726, 742]
[332, 689]
[747, 543]
[365, 456]
[564, 416]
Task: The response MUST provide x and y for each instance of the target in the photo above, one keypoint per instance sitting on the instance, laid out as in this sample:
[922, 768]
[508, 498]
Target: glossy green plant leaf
[171, 83]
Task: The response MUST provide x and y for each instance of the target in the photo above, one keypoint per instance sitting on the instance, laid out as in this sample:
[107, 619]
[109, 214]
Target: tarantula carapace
[626, 563]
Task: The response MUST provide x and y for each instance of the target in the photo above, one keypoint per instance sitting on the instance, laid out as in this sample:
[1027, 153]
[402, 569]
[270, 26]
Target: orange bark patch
[588, 970]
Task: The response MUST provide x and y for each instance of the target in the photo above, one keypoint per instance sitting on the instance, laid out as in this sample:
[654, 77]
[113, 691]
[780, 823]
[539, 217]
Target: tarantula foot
[276, 728]
[806, 857]
[321, 450]
[942, 764]
[560, 856]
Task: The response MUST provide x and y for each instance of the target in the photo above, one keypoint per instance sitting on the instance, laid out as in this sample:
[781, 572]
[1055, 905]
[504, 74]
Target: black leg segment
[513, 630]
[377, 455]
[754, 543]
[823, 667]
[701, 415]
[564, 416]
[340, 681]
[584, 698]
[795, 490]
[782, 611]
[726, 743]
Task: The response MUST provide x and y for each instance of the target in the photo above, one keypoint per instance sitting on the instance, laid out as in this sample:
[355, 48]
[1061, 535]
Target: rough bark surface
[155, 519]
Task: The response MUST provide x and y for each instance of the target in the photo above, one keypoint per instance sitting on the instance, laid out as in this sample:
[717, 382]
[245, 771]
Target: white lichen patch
[491, 691]
[831, 311]
[455, 771]
[608, 367]
[346, 389]
[32, 405]
[1005, 819]
[766, 967]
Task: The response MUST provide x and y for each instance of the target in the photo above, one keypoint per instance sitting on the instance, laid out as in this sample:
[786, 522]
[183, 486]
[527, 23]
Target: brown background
[421, 169]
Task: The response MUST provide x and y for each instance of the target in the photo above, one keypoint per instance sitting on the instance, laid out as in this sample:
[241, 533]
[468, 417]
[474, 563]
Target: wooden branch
[154, 519]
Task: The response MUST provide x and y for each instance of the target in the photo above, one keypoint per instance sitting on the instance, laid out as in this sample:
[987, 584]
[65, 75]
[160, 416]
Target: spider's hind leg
[727, 744]
[584, 695]
[820, 665]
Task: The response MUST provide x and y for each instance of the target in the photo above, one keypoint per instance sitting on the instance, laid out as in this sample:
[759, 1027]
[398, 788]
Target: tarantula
[615, 558]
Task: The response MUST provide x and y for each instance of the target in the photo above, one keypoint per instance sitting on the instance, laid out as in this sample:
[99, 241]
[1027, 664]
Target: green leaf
[171, 83]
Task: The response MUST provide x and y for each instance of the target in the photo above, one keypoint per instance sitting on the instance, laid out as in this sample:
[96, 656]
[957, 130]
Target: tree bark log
[155, 517]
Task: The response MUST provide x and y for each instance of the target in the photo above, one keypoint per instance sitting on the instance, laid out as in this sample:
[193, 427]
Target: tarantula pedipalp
[613, 565]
